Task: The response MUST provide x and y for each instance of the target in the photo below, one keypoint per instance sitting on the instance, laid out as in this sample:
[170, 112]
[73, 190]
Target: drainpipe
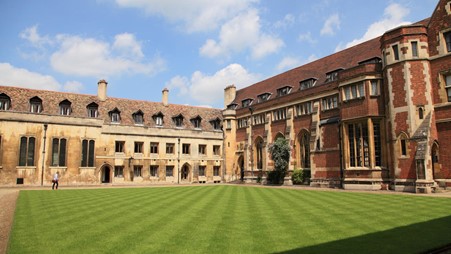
[43, 155]
[223, 154]
[341, 154]
[178, 162]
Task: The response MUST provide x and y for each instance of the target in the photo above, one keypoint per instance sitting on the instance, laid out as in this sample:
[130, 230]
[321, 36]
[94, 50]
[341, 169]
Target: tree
[280, 154]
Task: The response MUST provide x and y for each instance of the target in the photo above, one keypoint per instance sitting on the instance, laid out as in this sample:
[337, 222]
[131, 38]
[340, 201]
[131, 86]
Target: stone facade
[96, 139]
[373, 116]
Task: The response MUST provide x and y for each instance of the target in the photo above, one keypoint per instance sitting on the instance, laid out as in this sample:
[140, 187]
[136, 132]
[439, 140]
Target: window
[259, 150]
[137, 171]
[216, 170]
[202, 149]
[229, 124]
[329, 103]
[59, 152]
[280, 114]
[420, 113]
[232, 106]
[1, 151]
[154, 147]
[448, 87]
[283, 91]
[138, 117]
[354, 91]
[395, 52]
[196, 122]
[169, 171]
[5, 102]
[118, 171]
[201, 170]
[93, 110]
[216, 150]
[358, 145]
[307, 83]
[139, 147]
[35, 105]
[374, 88]
[186, 148]
[26, 153]
[170, 148]
[65, 108]
[305, 150]
[403, 145]
[304, 108]
[158, 118]
[242, 122]
[246, 103]
[377, 144]
[87, 153]
[178, 120]
[119, 146]
[447, 37]
[259, 119]
[115, 115]
[153, 170]
[264, 97]
[333, 75]
[216, 124]
[414, 45]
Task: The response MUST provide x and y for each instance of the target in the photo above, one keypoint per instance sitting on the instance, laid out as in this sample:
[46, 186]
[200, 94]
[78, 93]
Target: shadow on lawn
[425, 237]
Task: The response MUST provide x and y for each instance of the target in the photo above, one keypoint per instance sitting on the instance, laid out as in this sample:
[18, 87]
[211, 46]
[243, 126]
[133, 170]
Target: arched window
[259, 152]
[35, 105]
[65, 108]
[403, 145]
[115, 115]
[5, 102]
[420, 112]
[436, 167]
[158, 118]
[93, 110]
[304, 149]
[138, 117]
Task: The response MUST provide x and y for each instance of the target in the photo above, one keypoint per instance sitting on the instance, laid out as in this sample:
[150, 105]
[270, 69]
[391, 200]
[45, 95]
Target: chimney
[229, 95]
[165, 97]
[101, 89]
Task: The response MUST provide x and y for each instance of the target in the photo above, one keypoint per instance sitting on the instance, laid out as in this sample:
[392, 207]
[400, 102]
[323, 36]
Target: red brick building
[373, 116]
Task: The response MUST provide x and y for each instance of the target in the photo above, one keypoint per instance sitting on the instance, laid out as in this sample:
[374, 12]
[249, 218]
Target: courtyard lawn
[227, 219]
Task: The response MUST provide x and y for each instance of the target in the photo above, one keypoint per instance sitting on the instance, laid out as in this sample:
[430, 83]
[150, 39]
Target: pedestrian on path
[55, 180]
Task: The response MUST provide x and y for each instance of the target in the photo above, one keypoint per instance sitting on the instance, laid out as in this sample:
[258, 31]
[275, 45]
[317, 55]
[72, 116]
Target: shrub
[299, 176]
[275, 177]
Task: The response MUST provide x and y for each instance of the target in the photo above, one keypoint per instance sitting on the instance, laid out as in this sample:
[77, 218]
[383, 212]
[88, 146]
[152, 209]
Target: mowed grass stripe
[226, 219]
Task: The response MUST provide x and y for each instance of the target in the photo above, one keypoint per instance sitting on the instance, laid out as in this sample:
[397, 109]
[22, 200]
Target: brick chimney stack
[165, 96]
[101, 89]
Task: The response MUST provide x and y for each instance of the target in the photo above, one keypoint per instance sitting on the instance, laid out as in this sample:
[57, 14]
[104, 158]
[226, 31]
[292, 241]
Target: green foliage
[299, 176]
[275, 177]
[280, 154]
[226, 219]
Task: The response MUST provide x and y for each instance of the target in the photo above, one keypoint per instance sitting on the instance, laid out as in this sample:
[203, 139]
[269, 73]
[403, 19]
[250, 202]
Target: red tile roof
[20, 98]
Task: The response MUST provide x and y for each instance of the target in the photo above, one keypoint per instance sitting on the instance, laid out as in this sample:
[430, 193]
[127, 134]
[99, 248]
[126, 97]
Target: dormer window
[371, 60]
[138, 117]
[216, 124]
[178, 120]
[35, 105]
[158, 118]
[232, 106]
[196, 122]
[115, 115]
[333, 75]
[246, 103]
[283, 91]
[447, 37]
[65, 108]
[307, 83]
[264, 97]
[93, 110]
[5, 102]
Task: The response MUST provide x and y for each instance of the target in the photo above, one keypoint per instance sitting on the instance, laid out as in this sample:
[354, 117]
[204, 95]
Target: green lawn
[226, 219]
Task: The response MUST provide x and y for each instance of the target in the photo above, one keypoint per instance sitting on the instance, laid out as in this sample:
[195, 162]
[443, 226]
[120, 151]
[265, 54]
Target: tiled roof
[344, 59]
[20, 98]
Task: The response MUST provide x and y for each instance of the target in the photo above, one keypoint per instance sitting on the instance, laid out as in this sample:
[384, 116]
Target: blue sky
[195, 48]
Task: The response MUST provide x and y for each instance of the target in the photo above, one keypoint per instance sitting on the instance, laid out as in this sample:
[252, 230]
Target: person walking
[55, 180]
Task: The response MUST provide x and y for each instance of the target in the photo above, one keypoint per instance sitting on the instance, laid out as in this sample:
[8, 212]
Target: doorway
[185, 176]
[106, 174]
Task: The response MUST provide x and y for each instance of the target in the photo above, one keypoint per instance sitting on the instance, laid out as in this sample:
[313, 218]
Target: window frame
[304, 108]
[65, 108]
[395, 49]
[202, 170]
[216, 170]
[92, 110]
[87, 153]
[329, 103]
[119, 146]
[35, 105]
[5, 102]
[138, 118]
[284, 91]
[414, 45]
[138, 147]
[354, 91]
[27, 151]
[153, 171]
[169, 169]
[202, 149]
[280, 114]
[59, 158]
[137, 170]
[186, 149]
[170, 148]
[447, 39]
[154, 147]
[119, 171]
[447, 79]
[263, 97]
[216, 150]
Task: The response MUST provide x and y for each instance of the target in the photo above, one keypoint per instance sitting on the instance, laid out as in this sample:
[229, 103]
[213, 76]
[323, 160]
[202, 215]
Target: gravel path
[8, 199]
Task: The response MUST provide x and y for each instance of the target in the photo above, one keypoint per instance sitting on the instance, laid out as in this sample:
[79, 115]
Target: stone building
[373, 116]
[97, 139]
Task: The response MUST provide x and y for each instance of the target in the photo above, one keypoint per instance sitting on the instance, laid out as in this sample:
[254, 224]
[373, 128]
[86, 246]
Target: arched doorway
[241, 167]
[436, 168]
[304, 149]
[185, 173]
[259, 152]
[105, 174]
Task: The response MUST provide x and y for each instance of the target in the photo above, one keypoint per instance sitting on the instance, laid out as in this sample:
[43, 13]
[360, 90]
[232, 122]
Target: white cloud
[208, 89]
[307, 37]
[287, 63]
[95, 58]
[31, 35]
[393, 17]
[240, 33]
[196, 15]
[18, 77]
[332, 23]
[286, 22]
[73, 87]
